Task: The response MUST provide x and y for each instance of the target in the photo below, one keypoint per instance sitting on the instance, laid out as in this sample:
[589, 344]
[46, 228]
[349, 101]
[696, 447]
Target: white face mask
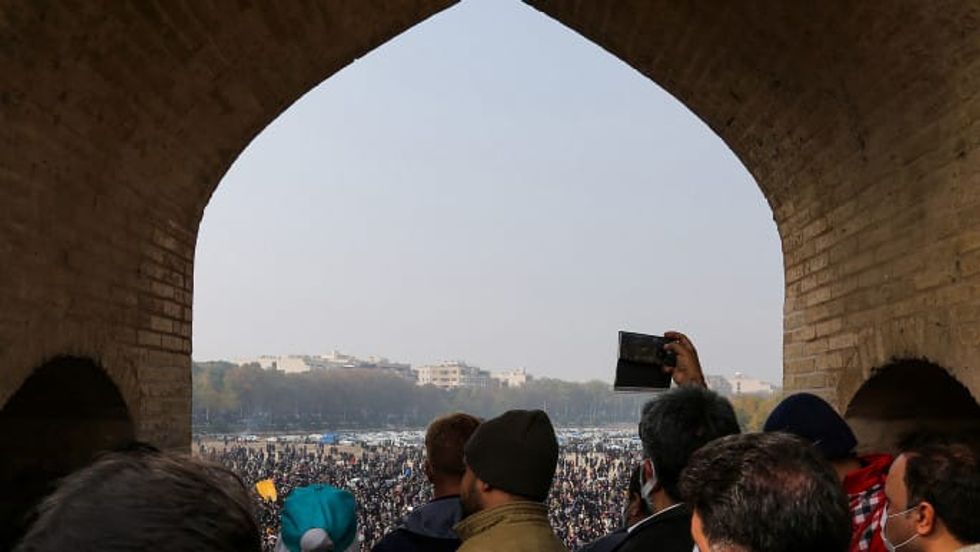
[884, 538]
[647, 490]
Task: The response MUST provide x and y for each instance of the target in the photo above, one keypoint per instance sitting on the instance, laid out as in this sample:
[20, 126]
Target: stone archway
[67, 411]
[117, 121]
[909, 395]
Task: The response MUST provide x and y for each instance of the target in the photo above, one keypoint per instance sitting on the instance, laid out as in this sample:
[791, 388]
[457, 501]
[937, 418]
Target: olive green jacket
[514, 527]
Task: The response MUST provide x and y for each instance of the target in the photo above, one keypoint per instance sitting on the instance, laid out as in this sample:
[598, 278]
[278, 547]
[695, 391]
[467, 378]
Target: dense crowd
[512, 483]
[586, 502]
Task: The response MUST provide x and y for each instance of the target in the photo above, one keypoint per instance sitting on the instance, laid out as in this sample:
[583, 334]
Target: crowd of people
[388, 482]
[697, 483]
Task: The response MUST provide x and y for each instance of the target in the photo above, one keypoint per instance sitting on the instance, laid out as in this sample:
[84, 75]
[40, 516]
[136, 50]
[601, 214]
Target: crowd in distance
[700, 484]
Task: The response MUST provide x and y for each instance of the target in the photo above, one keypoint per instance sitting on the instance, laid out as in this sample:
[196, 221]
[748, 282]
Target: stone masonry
[859, 120]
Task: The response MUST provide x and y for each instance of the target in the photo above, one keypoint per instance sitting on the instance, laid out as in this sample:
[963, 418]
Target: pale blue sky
[489, 186]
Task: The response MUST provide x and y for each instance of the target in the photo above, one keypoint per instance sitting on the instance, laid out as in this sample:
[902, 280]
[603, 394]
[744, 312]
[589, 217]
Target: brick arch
[858, 121]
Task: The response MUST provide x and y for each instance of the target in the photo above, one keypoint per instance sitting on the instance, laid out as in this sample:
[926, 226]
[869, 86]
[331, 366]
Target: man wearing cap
[510, 464]
[863, 477]
[318, 518]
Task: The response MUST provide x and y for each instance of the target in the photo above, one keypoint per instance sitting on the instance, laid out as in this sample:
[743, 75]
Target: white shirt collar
[648, 518]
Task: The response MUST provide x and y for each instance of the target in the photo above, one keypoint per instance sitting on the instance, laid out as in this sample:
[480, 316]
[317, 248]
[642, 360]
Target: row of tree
[229, 398]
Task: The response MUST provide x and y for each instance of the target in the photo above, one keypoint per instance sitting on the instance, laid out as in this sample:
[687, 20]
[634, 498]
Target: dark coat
[607, 543]
[428, 528]
[669, 531]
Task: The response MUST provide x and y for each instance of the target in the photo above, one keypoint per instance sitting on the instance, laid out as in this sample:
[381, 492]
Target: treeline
[231, 398]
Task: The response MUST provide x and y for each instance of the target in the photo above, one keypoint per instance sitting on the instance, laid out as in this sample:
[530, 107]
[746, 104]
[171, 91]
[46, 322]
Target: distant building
[453, 374]
[513, 378]
[335, 360]
[744, 385]
[284, 363]
[740, 384]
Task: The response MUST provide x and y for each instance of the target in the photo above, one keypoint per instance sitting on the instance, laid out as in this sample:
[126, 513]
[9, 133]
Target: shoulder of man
[671, 533]
[608, 543]
[402, 540]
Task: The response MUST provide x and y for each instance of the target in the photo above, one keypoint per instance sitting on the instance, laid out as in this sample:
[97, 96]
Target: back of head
[679, 422]
[144, 500]
[318, 517]
[516, 452]
[767, 492]
[444, 441]
[945, 472]
[812, 418]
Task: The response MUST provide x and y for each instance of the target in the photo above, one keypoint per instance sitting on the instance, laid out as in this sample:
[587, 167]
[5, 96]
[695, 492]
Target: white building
[513, 378]
[453, 374]
[333, 361]
[744, 385]
[290, 364]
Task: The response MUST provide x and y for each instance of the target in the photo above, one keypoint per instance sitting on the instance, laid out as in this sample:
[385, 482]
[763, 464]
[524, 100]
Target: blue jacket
[427, 528]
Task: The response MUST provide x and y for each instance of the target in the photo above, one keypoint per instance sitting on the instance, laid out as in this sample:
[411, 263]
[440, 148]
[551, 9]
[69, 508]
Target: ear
[697, 533]
[482, 486]
[427, 469]
[925, 524]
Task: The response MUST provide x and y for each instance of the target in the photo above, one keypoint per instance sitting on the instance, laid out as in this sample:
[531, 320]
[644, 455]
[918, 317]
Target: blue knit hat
[812, 418]
[318, 518]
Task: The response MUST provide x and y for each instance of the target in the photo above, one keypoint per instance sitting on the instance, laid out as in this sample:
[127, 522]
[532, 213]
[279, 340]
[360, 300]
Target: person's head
[812, 418]
[444, 441]
[509, 458]
[933, 493]
[765, 492]
[318, 518]
[142, 500]
[672, 427]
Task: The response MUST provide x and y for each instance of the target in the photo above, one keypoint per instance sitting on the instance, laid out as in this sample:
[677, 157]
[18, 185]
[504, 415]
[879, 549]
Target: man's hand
[688, 368]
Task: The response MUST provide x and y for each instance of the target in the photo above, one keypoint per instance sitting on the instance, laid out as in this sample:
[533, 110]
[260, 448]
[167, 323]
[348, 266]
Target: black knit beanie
[516, 452]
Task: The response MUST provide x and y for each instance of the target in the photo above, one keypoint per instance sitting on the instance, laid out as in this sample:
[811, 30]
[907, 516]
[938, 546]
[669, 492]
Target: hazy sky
[492, 187]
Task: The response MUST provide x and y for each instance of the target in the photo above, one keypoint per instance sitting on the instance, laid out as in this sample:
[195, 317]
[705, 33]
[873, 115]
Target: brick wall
[117, 120]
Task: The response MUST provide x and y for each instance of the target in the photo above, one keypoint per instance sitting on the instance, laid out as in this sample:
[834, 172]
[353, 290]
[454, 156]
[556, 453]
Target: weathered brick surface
[117, 120]
[860, 122]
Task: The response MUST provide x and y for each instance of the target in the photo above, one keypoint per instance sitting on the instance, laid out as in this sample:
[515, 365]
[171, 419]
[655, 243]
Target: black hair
[768, 492]
[944, 470]
[141, 499]
[679, 422]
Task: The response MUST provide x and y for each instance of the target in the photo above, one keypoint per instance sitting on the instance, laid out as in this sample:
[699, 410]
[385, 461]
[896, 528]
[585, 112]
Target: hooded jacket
[427, 528]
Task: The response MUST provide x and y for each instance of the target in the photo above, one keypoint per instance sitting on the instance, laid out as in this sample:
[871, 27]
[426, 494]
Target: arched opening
[518, 220]
[455, 196]
[67, 411]
[909, 395]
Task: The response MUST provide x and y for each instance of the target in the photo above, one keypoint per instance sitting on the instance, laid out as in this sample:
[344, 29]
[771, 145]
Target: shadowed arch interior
[67, 411]
[907, 395]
